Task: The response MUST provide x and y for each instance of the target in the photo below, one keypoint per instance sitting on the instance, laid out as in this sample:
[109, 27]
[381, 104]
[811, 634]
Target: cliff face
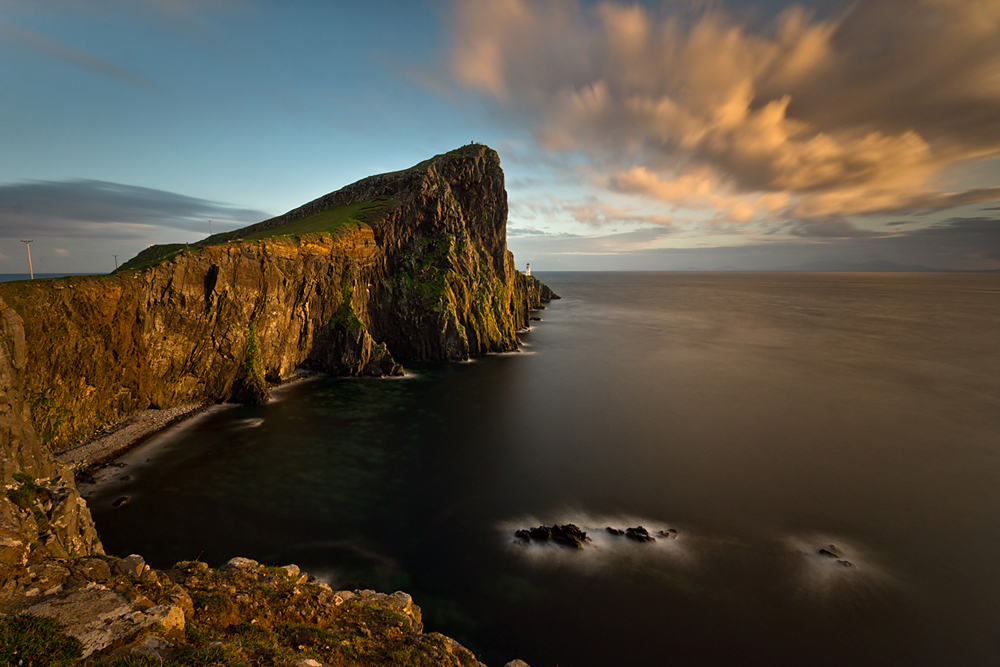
[41, 512]
[422, 273]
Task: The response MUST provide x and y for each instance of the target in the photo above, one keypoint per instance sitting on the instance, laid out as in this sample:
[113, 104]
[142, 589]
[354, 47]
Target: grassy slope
[328, 221]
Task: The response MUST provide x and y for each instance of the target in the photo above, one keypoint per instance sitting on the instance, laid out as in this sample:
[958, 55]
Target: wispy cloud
[532, 231]
[36, 41]
[593, 244]
[835, 228]
[853, 114]
[957, 243]
[97, 209]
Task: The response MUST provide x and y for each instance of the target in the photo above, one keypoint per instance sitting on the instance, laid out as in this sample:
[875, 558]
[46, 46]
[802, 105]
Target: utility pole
[209, 227]
[27, 244]
[116, 261]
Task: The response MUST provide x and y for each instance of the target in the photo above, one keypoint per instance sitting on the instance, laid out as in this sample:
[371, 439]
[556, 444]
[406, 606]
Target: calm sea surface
[762, 416]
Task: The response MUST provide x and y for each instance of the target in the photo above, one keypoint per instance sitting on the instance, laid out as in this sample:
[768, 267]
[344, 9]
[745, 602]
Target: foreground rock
[240, 613]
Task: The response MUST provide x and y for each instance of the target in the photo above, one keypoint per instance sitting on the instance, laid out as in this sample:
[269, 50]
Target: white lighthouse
[527, 271]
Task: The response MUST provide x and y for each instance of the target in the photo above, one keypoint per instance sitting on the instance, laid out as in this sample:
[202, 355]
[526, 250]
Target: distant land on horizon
[877, 265]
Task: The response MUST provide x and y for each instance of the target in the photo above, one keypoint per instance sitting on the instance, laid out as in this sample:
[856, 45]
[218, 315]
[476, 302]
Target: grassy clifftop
[362, 202]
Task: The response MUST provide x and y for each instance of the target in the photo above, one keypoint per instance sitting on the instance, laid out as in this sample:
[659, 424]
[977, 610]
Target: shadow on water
[765, 417]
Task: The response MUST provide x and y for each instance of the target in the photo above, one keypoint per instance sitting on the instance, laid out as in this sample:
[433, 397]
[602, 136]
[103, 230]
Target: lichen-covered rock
[102, 619]
[256, 614]
[132, 566]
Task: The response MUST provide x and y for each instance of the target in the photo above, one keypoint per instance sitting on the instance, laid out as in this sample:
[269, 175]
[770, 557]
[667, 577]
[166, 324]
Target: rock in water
[250, 391]
[832, 551]
[639, 534]
[568, 535]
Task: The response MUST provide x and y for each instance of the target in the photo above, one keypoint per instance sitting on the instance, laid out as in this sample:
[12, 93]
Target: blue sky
[662, 135]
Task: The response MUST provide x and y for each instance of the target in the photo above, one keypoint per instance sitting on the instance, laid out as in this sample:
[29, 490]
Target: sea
[764, 417]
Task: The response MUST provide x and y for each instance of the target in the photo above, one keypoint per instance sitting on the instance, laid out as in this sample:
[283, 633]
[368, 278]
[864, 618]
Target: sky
[670, 135]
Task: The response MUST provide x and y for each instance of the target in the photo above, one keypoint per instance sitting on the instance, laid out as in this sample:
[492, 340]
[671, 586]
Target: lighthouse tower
[527, 271]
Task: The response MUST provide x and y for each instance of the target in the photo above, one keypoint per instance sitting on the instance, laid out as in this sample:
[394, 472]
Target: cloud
[98, 209]
[591, 212]
[957, 243]
[596, 244]
[531, 231]
[699, 188]
[36, 41]
[852, 114]
[830, 229]
[597, 214]
[968, 238]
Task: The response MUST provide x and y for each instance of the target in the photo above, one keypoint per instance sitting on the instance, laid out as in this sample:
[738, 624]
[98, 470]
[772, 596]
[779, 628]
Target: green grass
[327, 221]
[152, 255]
[24, 495]
[323, 222]
[33, 641]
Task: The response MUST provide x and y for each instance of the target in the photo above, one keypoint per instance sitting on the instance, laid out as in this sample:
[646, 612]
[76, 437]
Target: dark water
[763, 416]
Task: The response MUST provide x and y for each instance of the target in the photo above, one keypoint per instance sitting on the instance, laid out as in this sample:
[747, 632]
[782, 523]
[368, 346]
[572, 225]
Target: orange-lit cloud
[851, 115]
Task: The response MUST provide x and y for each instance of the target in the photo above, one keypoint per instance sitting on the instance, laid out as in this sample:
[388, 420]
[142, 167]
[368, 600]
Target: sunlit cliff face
[854, 114]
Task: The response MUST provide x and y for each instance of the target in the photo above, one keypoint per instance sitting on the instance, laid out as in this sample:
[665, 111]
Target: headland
[411, 265]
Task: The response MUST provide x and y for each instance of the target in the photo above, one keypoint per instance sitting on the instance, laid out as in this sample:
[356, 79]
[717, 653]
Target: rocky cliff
[41, 512]
[410, 265]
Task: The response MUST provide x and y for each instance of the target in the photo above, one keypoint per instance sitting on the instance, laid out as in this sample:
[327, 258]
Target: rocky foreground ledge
[120, 612]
